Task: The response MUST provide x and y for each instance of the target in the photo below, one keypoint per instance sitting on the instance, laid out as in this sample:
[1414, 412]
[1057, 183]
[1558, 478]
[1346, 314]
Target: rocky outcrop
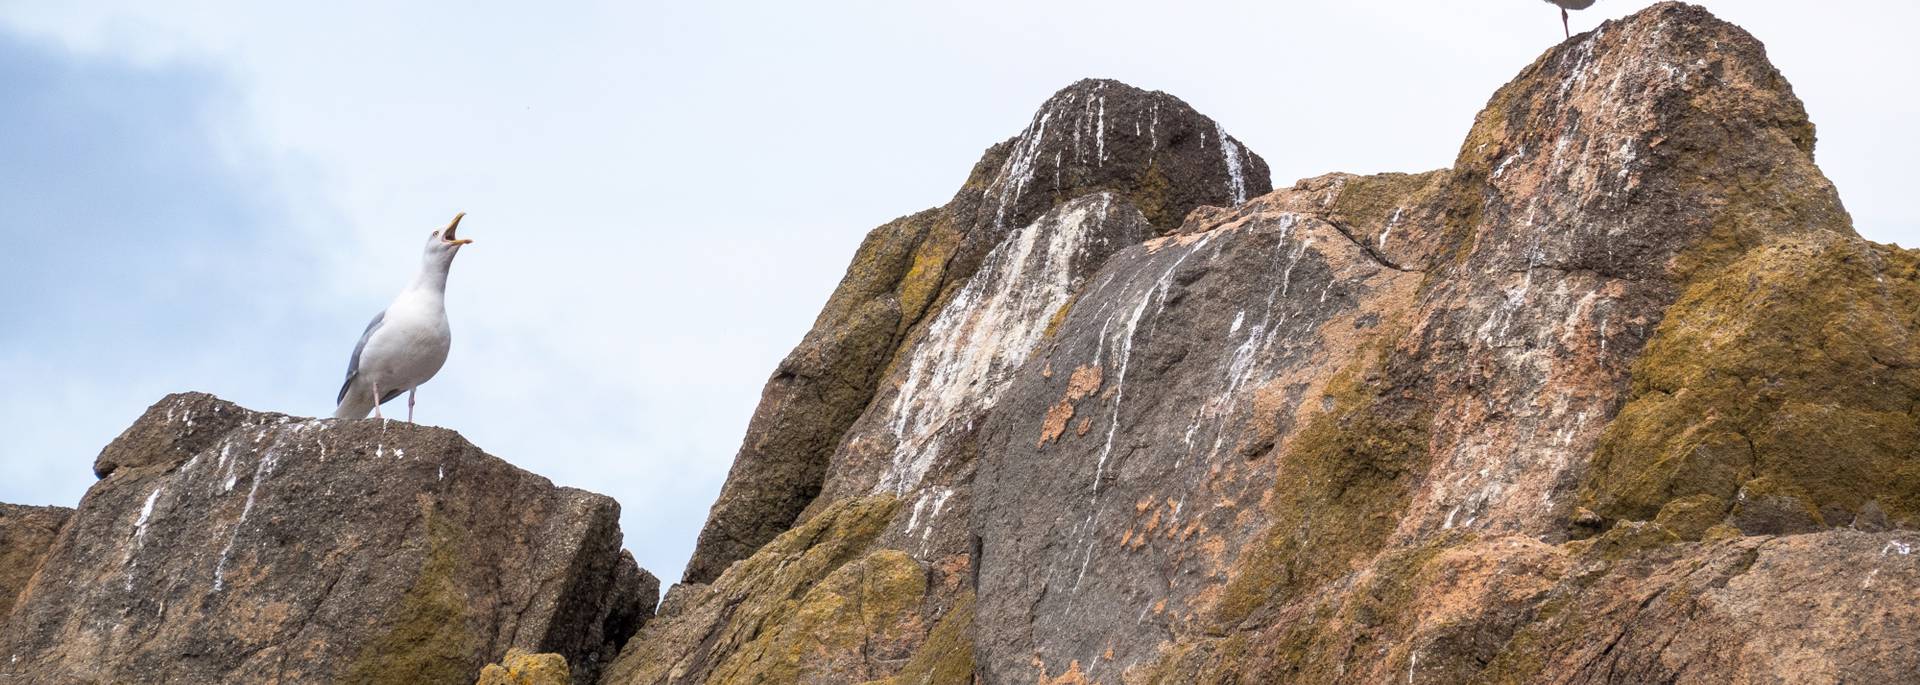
[968, 293]
[1619, 397]
[25, 534]
[226, 545]
[1148, 150]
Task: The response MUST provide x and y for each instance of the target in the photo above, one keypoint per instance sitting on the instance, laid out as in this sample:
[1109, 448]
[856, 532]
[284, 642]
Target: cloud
[141, 259]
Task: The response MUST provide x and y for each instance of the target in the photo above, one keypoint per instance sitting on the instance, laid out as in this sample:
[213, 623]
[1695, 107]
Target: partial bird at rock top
[407, 344]
[1569, 5]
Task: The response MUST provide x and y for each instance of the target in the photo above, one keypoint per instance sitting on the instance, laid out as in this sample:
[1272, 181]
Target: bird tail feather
[355, 405]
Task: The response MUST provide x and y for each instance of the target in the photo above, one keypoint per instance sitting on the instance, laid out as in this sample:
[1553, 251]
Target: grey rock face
[1147, 148]
[1117, 484]
[226, 545]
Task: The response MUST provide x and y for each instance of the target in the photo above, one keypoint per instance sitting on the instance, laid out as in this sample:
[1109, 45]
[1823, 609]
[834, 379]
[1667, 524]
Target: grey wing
[353, 364]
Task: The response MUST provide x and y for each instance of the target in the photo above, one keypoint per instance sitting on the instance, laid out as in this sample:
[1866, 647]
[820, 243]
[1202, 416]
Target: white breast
[411, 344]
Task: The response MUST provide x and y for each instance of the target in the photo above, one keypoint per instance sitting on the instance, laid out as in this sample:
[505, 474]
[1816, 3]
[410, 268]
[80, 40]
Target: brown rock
[1586, 407]
[25, 534]
[302, 550]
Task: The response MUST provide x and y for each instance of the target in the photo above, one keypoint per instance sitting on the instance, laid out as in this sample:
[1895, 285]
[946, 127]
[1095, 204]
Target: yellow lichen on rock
[519, 667]
[1790, 375]
[430, 637]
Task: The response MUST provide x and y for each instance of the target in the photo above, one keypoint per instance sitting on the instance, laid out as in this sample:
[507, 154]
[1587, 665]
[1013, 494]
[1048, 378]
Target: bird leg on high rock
[376, 401]
[1564, 26]
[410, 394]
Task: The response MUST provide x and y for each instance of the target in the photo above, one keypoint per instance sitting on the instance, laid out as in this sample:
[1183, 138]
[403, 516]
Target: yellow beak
[447, 235]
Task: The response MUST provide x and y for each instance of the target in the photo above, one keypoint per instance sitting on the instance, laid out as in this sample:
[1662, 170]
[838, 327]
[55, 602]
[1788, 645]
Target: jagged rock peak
[228, 545]
[1104, 134]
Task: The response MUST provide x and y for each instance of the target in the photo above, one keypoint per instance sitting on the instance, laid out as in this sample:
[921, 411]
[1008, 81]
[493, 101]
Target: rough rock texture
[1619, 397]
[521, 668]
[1148, 149]
[25, 534]
[226, 545]
[987, 285]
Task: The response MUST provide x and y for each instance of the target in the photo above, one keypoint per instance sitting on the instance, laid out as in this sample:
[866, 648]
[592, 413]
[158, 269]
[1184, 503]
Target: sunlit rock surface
[1619, 397]
[226, 545]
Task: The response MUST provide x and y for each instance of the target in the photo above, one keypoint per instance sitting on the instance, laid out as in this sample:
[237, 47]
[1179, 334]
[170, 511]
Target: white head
[443, 244]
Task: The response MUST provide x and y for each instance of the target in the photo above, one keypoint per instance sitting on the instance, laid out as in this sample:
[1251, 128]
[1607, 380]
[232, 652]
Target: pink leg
[376, 401]
[1563, 23]
[410, 394]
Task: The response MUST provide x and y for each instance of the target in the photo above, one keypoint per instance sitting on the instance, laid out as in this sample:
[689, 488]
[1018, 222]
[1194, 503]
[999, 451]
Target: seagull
[1570, 5]
[406, 344]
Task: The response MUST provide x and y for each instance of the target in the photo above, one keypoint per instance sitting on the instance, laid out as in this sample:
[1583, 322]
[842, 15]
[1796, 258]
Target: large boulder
[1148, 150]
[227, 545]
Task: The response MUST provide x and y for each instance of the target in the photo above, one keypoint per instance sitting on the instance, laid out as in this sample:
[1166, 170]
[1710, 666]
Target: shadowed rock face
[1619, 397]
[1148, 149]
[25, 535]
[226, 545]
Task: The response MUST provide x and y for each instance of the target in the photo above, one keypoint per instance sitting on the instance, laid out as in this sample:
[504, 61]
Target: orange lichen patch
[1215, 548]
[1160, 607]
[1154, 522]
[1083, 382]
[1144, 504]
[1073, 676]
[1056, 422]
[1182, 240]
[1127, 537]
[1086, 424]
[954, 571]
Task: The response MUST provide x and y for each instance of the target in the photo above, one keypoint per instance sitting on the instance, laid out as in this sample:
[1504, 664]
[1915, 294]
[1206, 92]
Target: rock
[25, 534]
[520, 668]
[226, 545]
[1591, 405]
[1148, 149]
[811, 606]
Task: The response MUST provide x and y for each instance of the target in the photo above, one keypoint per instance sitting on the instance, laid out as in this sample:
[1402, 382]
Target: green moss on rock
[1690, 517]
[805, 603]
[947, 654]
[1342, 482]
[1793, 370]
[431, 639]
[831, 628]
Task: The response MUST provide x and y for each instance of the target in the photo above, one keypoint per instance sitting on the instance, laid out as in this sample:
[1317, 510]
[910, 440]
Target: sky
[218, 196]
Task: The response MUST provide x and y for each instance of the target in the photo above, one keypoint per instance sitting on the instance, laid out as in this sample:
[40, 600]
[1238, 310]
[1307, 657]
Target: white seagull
[1570, 5]
[406, 344]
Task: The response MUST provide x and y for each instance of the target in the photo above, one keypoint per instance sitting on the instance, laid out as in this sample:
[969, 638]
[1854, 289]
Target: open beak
[448, 236]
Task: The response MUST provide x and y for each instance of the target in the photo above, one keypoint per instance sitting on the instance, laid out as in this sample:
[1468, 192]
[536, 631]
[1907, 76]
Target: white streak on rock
[1236, 177]
[260, 472]
[984, 334]
[140, 533]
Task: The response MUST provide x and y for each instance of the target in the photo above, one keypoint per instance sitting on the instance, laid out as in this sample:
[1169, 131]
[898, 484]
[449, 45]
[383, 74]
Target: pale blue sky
[216, 196]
